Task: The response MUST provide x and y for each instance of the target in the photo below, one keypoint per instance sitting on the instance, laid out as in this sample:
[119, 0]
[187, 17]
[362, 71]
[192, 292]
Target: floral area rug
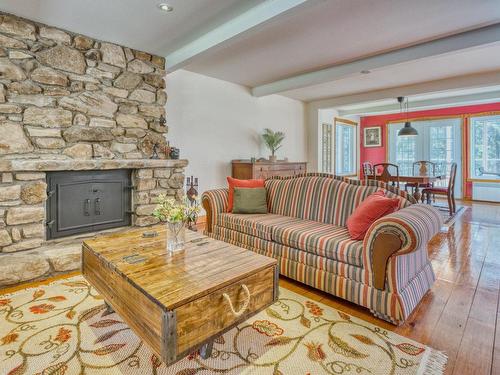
[64, 328]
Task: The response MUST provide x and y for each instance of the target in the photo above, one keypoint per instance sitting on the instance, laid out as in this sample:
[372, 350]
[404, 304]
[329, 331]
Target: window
[326, 148]
[485, 147]
[345, 147]
[438, 141]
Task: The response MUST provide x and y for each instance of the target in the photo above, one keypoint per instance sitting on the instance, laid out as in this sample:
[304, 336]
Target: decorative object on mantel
[174, 153]
[155, 151]
[273, 141]
[176, 214]
[372, 136]
[246, 169]
[192, 196]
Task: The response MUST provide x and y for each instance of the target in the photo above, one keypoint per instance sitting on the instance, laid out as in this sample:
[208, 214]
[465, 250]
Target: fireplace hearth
[87, 201]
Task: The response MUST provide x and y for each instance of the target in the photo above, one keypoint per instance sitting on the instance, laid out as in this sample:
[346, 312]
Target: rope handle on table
[245, 304]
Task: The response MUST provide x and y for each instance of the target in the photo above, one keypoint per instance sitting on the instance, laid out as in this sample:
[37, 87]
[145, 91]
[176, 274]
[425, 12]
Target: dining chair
[422, 168]
[385, 175]
[448, 191]
[367, 169]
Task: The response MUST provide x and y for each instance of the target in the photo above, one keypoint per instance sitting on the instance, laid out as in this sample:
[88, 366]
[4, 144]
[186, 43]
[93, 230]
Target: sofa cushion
[234, 182]
[259, 225]
[326, 240]
[372, 208]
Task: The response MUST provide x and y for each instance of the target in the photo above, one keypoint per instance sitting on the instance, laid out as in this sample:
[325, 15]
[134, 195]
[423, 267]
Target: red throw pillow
[372, 208]
[234, 182]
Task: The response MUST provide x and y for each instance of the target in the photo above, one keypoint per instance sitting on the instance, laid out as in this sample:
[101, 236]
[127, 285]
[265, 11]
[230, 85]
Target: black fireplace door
[87, 201]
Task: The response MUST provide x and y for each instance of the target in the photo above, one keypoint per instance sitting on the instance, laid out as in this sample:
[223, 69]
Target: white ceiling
[137, 24]
[450, 65]
[331, 32]
[315, 35]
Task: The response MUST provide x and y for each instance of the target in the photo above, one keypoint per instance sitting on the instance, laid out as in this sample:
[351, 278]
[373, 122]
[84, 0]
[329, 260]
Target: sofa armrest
[399, 233]
[214, 202]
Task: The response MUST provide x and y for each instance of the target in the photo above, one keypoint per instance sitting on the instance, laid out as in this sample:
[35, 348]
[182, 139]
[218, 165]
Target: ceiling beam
[450, 44]
[451, 101]
[478, 80]
[255, 16]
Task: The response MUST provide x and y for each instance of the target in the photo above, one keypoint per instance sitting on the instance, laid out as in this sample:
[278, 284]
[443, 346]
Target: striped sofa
[388, 272]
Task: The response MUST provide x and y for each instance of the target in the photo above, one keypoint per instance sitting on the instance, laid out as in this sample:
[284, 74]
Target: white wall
[214, 121]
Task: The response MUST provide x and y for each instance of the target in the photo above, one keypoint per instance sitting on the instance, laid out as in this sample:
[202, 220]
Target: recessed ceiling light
[165, 7]
[365, 72]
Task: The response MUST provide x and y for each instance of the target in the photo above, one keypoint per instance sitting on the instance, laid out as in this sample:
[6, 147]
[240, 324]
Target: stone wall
[68, 102]
[69, 96]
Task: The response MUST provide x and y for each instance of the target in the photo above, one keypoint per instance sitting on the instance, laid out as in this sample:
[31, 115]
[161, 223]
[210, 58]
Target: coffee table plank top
[170, 281]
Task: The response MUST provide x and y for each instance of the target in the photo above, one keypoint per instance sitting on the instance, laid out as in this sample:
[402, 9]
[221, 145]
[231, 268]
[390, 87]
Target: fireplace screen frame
[110, 189]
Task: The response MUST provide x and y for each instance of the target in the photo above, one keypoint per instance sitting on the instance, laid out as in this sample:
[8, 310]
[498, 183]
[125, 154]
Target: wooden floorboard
[460, 315]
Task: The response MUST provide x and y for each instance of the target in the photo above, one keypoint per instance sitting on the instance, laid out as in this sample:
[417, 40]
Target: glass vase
[176, 236]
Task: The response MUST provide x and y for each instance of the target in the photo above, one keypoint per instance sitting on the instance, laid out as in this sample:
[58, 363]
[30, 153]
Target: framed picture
[372, 137]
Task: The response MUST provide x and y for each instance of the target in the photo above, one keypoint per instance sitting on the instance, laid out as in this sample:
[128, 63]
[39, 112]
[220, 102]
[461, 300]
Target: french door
[438, 141]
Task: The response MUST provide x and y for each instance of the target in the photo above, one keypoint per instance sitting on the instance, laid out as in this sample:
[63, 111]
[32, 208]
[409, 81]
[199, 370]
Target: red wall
[378, 154]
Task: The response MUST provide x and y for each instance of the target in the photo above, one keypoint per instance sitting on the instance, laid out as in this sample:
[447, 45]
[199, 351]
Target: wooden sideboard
[245, 169]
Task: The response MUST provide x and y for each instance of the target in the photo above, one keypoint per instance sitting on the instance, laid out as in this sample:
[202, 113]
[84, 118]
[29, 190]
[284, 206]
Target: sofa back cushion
[324, 198]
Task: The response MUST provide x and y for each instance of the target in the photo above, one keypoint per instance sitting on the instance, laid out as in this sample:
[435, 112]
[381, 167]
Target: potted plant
[175, 214]
[273, 141]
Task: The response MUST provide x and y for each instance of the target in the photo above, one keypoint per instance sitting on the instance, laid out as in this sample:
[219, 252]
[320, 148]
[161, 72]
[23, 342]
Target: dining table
[414, 179]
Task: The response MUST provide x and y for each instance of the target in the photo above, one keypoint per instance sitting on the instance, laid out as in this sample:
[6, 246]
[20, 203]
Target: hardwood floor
[461, 314]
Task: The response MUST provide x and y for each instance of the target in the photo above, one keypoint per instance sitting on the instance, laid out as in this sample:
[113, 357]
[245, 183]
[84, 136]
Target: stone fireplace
[72, 103]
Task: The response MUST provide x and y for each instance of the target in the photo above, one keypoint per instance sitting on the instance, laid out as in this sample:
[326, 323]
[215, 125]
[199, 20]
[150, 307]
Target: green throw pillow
[250, 201]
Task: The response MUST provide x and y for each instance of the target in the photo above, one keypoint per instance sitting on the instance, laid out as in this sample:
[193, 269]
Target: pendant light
[407, 130]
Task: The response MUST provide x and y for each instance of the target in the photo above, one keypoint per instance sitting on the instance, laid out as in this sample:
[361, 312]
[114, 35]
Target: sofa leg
[387, 318]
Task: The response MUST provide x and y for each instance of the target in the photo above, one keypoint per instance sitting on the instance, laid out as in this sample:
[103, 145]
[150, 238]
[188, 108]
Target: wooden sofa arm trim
[385, 244]
[205, 202]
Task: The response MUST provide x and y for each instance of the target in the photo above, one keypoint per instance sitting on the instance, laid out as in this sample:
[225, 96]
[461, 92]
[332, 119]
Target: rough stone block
[13, 139]
[11, 71]
[16, 268]
[141, 197]
[33, 230]
[10, 193]
[64, 58]
[49, 143]
[113, 54]
[23, 245]
[145, 184]
[7, 178]
[49, 76]
[143, 96]
[131, 121]
[15, 233]
[4, 238]
[65, 258]
[145, 210]
[34, 193]
[30, 176]
[102, 122]
[123, 147]
[140, 67]
[144, 173]
[47, 117]
[24, 88]
[79, 151]
[144, 221]
[55, 35]
[162, 173]
[24, 215]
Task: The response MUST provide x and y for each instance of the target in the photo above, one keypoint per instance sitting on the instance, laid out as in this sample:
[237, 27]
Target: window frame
[354, 125]
[470, 134]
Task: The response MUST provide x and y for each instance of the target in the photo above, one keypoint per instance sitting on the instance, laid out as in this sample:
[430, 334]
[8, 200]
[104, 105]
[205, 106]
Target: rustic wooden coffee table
[182, 302]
